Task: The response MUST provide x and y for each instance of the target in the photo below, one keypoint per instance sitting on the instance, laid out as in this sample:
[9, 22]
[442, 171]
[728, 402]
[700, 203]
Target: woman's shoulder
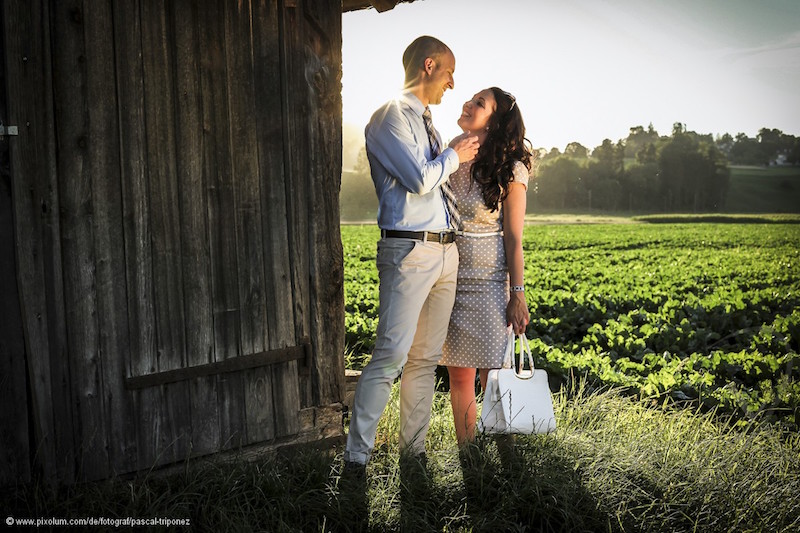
[520, 173]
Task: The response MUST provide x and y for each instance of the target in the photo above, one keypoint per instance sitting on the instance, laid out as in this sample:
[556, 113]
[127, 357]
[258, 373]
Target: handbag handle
[524, 350]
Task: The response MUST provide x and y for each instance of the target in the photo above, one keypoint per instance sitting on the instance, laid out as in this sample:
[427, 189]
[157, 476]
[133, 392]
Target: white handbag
[517, 400]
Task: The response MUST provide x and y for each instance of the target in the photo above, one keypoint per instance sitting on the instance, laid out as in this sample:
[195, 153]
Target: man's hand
[466, 146]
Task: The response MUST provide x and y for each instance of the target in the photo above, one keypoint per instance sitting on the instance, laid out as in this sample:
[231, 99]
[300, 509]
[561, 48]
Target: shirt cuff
[451, 160]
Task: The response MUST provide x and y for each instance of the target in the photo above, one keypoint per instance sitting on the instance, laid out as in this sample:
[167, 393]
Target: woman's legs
[484, 375]
[462, 398]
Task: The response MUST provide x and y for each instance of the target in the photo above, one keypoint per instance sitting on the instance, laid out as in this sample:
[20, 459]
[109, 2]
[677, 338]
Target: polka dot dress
[477, 334]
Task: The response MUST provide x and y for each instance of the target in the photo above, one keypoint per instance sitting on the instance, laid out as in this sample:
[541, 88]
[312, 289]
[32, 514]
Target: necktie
[447, 191]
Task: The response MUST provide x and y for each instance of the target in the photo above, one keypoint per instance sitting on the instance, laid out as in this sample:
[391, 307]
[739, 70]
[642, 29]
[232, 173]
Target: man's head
[429, 66]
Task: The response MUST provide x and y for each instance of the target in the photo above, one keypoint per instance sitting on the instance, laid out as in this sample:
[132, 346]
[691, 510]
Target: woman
[490, 298]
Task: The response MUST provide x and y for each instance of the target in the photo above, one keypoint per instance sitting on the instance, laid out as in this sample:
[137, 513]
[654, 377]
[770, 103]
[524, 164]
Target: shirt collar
[411, 100]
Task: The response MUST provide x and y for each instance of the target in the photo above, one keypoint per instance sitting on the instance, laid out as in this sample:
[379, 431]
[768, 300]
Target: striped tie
[447, 191]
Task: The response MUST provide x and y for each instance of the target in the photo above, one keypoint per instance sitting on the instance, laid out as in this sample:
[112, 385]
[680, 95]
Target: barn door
[216, 308]
[233, 255]
[175, 207]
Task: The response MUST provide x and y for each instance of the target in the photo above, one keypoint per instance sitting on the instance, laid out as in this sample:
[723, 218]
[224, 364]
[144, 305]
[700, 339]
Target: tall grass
[614, 464]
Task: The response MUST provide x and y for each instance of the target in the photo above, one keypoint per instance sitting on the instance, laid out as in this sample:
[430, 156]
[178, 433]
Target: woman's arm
[513, 222]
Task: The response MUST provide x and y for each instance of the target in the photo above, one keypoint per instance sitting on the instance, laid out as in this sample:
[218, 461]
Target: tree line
[684, 171]
[681, 172]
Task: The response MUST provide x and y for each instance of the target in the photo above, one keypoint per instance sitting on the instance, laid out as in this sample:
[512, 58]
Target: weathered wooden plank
[36, 208]
[249, 243]
[103, 167]
[217, 169]
[194, 233]
[271, 148]
[14, 457]
[136, 227]
[14, 445]
[244, 159]
[323, 67]
[165, 209]
[43, 114]
[75, 147]
[172, 442]
[268, 79]
[295, 105]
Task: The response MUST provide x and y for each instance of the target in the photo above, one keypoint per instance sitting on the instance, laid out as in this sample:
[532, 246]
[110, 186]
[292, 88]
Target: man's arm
[392, 142]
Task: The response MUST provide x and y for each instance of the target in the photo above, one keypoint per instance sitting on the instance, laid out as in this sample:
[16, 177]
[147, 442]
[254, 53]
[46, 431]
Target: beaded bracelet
[517, 288]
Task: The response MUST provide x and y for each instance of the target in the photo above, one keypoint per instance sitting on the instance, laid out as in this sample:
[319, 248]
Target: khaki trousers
[417, 291]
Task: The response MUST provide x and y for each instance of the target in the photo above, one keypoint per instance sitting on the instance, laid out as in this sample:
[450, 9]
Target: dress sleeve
[520, 174]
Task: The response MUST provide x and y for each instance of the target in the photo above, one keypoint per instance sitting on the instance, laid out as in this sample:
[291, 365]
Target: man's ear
[430, 65]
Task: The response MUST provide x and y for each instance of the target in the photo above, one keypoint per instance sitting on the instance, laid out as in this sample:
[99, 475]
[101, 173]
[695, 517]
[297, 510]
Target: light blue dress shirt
[406, 180]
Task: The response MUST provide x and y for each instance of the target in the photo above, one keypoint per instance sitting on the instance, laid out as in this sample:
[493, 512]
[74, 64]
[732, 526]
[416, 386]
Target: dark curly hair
[505, 144]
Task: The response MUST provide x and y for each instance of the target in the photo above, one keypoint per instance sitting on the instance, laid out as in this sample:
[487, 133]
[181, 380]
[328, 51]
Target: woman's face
[475, 113]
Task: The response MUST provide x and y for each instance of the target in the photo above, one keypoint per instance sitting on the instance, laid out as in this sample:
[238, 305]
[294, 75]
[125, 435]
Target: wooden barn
[170, 255]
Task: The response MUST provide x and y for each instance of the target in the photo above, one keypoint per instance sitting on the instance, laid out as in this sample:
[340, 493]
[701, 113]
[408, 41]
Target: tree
[609, 158]
[640, 186]
[747, 151]
[638, 138]
[551, 155]
[603, 174]
[793, 157]
[724, 144]
[362, 163]
[693, 174]
[558, 183]
[647, 154]
[576, 150]
[769, 141]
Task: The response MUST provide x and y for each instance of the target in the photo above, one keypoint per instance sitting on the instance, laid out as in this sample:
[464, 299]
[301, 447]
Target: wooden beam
[383, 5]
[379, 5]
[233, 364]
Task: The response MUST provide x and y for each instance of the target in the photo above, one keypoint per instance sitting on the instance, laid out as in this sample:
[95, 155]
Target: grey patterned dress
[477, 334]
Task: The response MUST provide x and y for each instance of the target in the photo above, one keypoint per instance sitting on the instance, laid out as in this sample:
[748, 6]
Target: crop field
[706, 314]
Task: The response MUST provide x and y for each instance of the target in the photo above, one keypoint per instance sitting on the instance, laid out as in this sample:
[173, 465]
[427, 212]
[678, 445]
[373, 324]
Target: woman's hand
[517, 315]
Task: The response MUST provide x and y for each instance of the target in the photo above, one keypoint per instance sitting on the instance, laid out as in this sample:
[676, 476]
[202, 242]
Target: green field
[763, 190]
[706, 314]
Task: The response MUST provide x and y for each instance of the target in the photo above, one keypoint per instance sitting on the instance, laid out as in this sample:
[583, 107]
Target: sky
[587, 70]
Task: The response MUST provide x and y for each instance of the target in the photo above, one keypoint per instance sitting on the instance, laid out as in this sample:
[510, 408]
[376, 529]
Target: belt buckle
[442, 236]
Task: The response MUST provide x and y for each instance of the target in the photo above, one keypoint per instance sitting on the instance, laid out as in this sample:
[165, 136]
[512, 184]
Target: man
[417, 258]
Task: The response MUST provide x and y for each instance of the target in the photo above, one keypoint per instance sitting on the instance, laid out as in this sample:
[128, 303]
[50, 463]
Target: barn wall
[176, 216]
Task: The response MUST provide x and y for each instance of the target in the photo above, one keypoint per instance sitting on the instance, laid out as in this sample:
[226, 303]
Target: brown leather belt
[442, 237]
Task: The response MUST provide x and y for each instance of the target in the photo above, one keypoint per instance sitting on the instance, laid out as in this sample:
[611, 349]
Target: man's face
[440, 78]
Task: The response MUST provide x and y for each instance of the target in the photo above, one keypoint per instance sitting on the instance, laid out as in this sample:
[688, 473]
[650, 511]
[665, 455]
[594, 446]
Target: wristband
[517, 288]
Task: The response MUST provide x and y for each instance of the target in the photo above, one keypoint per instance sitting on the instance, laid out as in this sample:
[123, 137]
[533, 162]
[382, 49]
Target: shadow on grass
[536, 489]
[528, 487]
